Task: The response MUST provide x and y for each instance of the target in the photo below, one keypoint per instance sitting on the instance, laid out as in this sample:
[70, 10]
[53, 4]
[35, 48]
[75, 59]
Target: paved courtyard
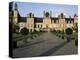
[47, 45]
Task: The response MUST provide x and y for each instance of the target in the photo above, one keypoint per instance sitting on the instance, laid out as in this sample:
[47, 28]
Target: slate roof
[54, 18]
[39, 20]
[22, 19]
[69, 19]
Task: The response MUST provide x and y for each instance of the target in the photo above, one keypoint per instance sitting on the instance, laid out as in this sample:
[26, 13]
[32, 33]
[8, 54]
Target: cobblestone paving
[50, 45]
[67, 49]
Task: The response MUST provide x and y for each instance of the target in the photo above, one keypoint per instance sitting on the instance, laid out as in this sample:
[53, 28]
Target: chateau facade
[45, 23]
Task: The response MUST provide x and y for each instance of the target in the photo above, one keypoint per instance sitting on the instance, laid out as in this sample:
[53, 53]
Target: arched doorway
[47, 28]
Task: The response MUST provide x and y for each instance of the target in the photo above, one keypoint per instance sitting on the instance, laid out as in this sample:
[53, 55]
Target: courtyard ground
[46, 44]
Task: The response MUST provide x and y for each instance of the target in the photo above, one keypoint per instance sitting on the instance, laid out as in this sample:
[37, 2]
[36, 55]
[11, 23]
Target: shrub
[62, 37]
[59, 35]
[24, 31]
[54, 30]
[58, 31]
[69, 31]
[41, 31]
[35, 32]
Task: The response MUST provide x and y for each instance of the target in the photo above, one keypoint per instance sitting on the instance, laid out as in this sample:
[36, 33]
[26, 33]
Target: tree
[24, 31]
[69, 31]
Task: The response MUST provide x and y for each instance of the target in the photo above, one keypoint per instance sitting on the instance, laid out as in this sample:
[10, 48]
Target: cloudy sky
[37, 8]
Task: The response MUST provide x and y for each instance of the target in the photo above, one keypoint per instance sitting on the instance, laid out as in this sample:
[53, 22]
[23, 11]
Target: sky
[37, 9]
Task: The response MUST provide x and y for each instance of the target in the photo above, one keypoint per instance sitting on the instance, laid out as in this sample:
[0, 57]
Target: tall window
[54, 21]
[67, 21]
[38, 25]
[70, 22]
[34, 25]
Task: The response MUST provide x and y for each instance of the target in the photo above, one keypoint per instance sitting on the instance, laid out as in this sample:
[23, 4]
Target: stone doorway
[47, 28]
